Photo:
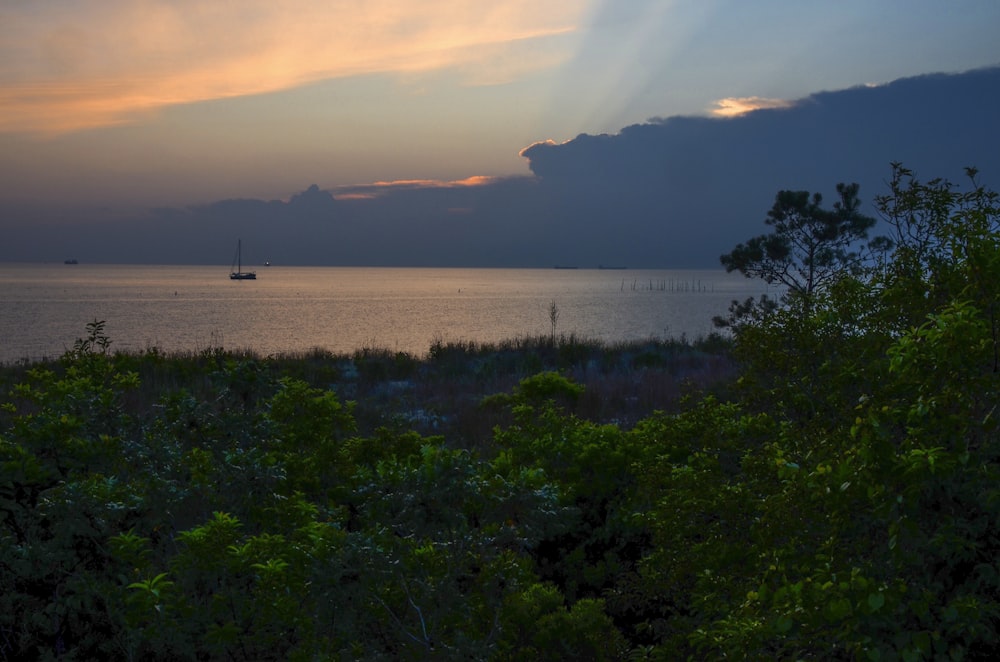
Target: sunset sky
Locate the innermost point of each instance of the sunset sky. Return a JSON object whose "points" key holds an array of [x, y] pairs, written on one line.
{"points": [[124, 104]]}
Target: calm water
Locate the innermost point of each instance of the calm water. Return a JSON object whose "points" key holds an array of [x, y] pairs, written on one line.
{"points": [[45, 307]]}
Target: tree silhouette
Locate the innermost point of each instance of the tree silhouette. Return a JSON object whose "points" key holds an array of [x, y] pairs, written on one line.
{"points": [[809, 246]]}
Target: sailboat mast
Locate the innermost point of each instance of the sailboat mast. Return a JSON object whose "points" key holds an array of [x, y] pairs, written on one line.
{"points": [[239, 274]]}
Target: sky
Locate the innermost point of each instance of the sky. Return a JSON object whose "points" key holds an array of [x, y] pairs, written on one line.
{"points": [[114, 109]]}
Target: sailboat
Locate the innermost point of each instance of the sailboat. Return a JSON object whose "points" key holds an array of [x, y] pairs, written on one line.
{"points": [[238, 273]]}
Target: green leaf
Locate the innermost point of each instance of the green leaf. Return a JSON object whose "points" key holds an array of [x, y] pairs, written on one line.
{"points": [[876, 601], [838, 609]]}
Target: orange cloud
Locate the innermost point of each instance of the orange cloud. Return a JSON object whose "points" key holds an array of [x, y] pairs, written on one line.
{"points": [[475, 180], [373, 190], [735, 106], [355, 196], [67, 67]]}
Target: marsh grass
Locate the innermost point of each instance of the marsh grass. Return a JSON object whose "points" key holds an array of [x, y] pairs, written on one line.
{"points": [[440, 393]]}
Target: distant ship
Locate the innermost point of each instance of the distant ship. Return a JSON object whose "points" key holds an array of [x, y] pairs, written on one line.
{"points": [[70, 262], [238, 273]]}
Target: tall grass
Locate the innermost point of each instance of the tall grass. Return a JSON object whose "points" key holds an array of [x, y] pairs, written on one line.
{"points": [[441, 391]]}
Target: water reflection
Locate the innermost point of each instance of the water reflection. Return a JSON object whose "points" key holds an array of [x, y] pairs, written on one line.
{"points": [[294, 309]]}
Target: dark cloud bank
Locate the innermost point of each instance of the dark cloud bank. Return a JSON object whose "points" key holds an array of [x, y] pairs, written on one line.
{"points": [[675, 192]]}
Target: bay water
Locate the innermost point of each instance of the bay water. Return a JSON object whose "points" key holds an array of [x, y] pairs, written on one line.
{"points": [[44, 308]]}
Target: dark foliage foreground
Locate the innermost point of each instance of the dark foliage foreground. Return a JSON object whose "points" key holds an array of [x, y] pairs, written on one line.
{"points": [[839, 499]]}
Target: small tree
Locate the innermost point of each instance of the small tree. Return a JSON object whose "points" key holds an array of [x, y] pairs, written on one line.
{"points": [[817, 254]]}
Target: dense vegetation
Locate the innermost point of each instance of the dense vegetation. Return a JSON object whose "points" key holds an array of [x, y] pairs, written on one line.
{"points": [[835, 496]]}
